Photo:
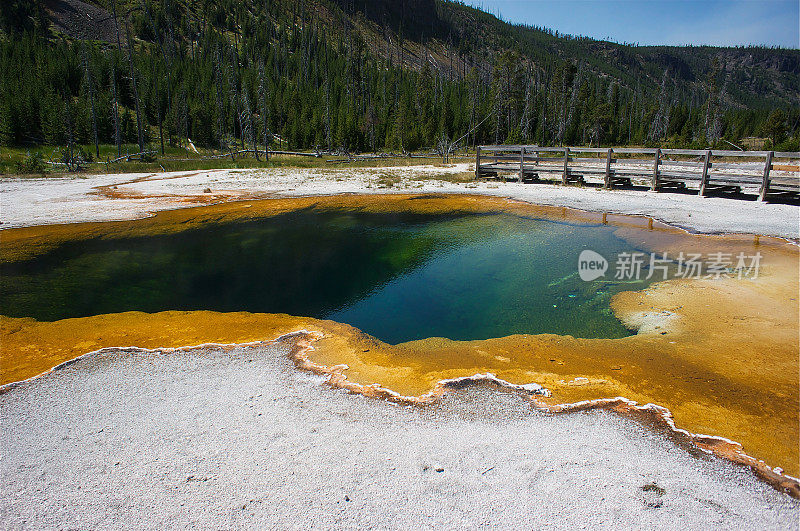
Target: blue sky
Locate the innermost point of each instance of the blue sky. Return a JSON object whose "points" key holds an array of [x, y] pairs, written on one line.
{"points": [[677, 22]]}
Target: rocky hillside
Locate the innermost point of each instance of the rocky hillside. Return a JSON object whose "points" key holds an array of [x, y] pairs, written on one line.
{"points": [[369, 74]]}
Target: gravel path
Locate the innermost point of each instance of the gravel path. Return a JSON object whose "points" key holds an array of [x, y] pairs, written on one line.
{"points": [[218, 439]]}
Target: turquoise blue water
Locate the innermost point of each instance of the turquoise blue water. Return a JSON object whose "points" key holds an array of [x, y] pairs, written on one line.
{"points": [[397, 277]]}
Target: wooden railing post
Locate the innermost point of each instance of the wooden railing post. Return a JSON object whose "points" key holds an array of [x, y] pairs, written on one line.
{"points": [[704, 177], [762, 194], [607, 180], [654, 183], [477, 163], [566, 166], [521, 163]]}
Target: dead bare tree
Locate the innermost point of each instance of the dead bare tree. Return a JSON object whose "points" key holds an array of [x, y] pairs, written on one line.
{"points": [[115, 110], [183, 109], [473, 100], [263, 98], [573, 100], [660, 124], [221, 128], [160, 113], [116, 24], [525, 120], [133, 81], [167, 64], [69, 154], [562, 117], [90, 87], [233, 94], [246, 119], [445, 147], [497, 120], [328, 125], [716, 125]]}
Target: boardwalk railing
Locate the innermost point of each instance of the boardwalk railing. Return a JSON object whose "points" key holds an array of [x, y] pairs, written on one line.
{"points": [[769, 171]]}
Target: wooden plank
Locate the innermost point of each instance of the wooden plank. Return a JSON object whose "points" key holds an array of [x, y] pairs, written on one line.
{"points": [[759, 166], [636, 151], [586, 169], [786, 155], [654, 183], [762, 193], [548, 171], [500, 148], [596, 160], [636, 172], [566, 166], [678, 176], [735, 178], [478, 163], [607, 177], [684, 152], [786, 167], [550, 149], [731, 153], [587, 150], [514, 168], [782, 187], [530, 157], [554, 167], [693, 164], [546, 162], [784, 179], [516, 149], [704, 177], [643, 162], [521, 164], [715, 179], [509, 157], [500, 166]]}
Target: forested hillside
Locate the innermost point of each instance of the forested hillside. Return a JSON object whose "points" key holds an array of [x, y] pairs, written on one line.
{"points": [[362, 75]]}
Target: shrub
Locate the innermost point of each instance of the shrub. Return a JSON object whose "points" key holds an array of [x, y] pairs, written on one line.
{"points": [[791, 144], [33, 163]]}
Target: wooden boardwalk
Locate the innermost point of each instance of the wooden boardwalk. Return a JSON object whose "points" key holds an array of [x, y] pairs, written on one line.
{"points": [[771, 172]]}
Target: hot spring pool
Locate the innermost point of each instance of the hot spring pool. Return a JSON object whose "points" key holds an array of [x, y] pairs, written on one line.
{"points": [[398, 276]]}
